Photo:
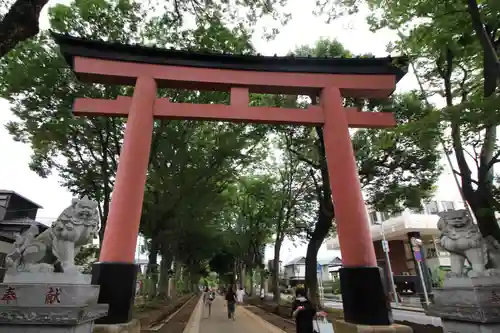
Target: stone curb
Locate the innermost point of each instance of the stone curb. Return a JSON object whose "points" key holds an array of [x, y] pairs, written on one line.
{"points": [[193, 324]]}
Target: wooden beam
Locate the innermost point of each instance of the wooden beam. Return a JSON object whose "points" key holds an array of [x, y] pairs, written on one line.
{"points": [[251, 114], [237, 113], [102, 107], [167, 110], [240, 97], [210, 79], [357, 119]]}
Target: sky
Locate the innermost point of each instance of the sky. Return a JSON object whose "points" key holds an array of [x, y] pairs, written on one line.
{"points": [[304, 28]]}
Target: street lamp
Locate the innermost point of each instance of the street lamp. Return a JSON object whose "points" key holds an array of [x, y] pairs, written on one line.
{"points": [[385, 248]]}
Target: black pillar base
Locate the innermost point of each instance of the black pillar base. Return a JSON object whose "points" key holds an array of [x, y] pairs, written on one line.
{"points": [[364, 296], [118, 285]]}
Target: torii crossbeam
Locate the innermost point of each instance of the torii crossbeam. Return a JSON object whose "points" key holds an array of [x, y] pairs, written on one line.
{"points": [[363, 292]]}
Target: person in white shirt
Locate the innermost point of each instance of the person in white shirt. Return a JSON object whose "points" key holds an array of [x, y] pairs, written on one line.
{"points": [[239, 295]]}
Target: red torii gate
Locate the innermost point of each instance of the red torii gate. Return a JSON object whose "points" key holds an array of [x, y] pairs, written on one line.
{"points": [[364, 295]]}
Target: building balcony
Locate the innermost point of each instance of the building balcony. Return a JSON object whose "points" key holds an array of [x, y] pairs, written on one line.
{"points": [[397, 228]]}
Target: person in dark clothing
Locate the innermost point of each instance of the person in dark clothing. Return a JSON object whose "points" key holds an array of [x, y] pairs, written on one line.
{"points": [[231, 302], [303, 311]]}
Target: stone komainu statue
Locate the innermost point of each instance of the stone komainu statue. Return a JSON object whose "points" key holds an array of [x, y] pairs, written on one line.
{"points": [[462, 238], [58, 245]]}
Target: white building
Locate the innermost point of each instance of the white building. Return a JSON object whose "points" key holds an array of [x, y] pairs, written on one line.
{"points": [[396, 228], [294, 272]]}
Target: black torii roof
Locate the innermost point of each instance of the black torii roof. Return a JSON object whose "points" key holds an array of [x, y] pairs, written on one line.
{"points": [[71, 47]]}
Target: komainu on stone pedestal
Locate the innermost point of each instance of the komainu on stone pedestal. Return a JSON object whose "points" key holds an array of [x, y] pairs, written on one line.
{"points": [[469, 301], [461, 237], [43, 290], [57, 246]]}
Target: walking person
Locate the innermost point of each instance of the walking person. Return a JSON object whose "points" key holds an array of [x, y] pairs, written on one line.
{"points": [[240, 294], [208, 298], [231, 302], [303, 311]]}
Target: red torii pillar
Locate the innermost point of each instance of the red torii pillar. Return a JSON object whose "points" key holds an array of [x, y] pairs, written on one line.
{"points": [[353, 229]]}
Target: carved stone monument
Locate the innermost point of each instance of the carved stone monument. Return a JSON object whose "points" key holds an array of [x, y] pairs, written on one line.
{"points": [[469, 301], [43, 290]]}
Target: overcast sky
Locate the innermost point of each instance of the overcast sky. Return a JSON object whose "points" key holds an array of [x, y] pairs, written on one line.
{"points": [[304, 28]]}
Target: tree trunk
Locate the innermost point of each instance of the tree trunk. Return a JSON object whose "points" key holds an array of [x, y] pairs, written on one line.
{"points": [[484, 211], [481, 199], [323, 225], [20, 23], [101, 232], [318, 236], [242, 275], [235, 277], [251, 289], [489, 51], [276, 269], [152, 270], [262, 280], [166, 261], [170, 279]]}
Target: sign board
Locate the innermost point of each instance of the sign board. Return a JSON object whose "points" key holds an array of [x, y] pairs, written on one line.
{"points": [[385, 246]]}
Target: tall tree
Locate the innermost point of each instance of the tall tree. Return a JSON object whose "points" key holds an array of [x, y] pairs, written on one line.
{"points": [[19, 19], [247, 225], [18, 22], [41, 90], [294, 201], [453, 59], [194, 165], [397, 167]]}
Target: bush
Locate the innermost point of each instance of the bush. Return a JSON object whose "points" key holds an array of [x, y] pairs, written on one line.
{"points": [[332, 287], [336, 287]]}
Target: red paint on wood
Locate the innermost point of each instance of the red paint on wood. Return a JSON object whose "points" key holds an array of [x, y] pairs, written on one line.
{"points": [[216, 112], [240, 97], [262, 115], [116, 72], [353, 229], [122, 227], [234, 112], [102, 107], [357, 119]]}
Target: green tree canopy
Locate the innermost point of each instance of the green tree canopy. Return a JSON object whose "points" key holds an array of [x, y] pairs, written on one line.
{"points": [[454, 47], [397, 167]]}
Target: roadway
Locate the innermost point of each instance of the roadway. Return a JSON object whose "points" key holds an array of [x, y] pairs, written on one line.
{"points": [[413, 315]]}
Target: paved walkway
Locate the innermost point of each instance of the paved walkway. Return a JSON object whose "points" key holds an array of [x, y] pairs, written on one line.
{"points": [[245, 322]]}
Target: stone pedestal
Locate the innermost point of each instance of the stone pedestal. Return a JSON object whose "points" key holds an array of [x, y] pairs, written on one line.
{"points": [[468, 305], [58, 306]]}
